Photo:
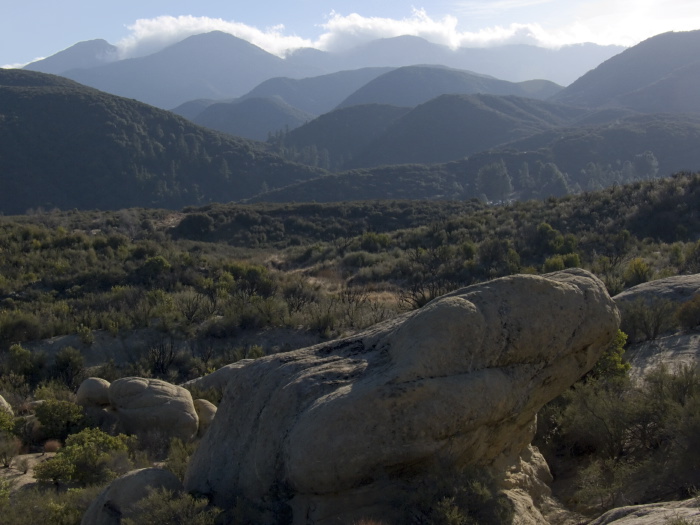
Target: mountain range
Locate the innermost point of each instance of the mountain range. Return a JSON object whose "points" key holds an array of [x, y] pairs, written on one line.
{"points": [[218, 65], [404, 132]]}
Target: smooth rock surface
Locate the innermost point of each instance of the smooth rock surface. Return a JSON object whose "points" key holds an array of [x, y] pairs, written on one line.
{"points": [[93, 391], [206, 410], [317, 432], [151, 405], [666, 513], [119, 498], [677, 289]]}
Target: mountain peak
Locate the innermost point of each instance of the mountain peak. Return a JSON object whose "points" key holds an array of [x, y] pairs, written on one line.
{"points": [[86, 54]]}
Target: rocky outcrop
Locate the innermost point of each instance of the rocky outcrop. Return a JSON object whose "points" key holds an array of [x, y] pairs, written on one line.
{"points": [[218, 379], [327, 434], [120, 497], [141, 406], [150, 405], [670, 347], [5, 406], [677, 289], [666, 513]]}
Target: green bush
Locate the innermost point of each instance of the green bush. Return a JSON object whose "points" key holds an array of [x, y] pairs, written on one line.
{"points": [[90, 457], [688, 313], [59, 419], [165, 506], [646, 320], [456, 496]]}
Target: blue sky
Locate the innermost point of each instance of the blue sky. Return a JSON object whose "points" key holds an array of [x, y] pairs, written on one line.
{"points": [[33, 29]]}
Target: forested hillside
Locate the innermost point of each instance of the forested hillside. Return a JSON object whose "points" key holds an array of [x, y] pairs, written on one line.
{"points": [[64, 145]]}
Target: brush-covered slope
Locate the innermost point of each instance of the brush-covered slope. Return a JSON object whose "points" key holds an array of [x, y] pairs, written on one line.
{"points": [[68, 146], [253, 118], [320, 94], [658, 58], [343, 134], [450, 127], [413, 85], [446, 128]]}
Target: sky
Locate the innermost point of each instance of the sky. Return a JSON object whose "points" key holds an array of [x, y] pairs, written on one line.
{"points": [[33, 29]]}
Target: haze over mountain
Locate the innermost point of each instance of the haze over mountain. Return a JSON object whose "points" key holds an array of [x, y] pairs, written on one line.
{"points": [[252, 118], [669, 58], [412, 85], [213, 65], [218, 65], [317, 95], [83, 55], [68, 146]]}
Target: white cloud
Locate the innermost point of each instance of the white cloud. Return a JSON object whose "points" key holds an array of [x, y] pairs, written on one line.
{"points": [[624, 22], [152, 34], [20, 65]]}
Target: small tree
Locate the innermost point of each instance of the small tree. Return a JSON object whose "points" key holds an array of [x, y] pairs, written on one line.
{"points": [[59, 418]]}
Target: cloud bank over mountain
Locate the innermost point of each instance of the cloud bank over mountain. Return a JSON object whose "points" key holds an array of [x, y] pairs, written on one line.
{"points": [[339, 32]]}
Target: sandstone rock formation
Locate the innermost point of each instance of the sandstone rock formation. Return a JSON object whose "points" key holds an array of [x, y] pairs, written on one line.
{"points": [[677, 289], [151, 405], [671, 348], [93, 391], [326, 434], [206, 410], [218, 379], [119, 498], [4, 405], [666, 513]]}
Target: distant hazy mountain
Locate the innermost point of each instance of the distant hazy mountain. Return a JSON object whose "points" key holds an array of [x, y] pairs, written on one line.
{"points": [[91, 53], [212, 65], [219, 66], [252, 118], [667, 62], [192, 108], [513, 62], [68, 146], [677, 92], [412, 85], [320, 94]]}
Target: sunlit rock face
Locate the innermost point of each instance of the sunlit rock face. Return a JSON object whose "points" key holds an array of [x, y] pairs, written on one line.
{"points": [[329, 433]]}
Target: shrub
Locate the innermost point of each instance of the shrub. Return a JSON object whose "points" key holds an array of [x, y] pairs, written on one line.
{"points": [[646, 320], [637, 272], [9, 448], [688, 313], [59, 418], [165, 506], [456, 496], [89, 457], [179, 456]]}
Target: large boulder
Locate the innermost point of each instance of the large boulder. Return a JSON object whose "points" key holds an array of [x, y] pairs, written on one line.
{"points": [[120, 497], [93, 392], [218, 379], [327, 434], [145, 406]]}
